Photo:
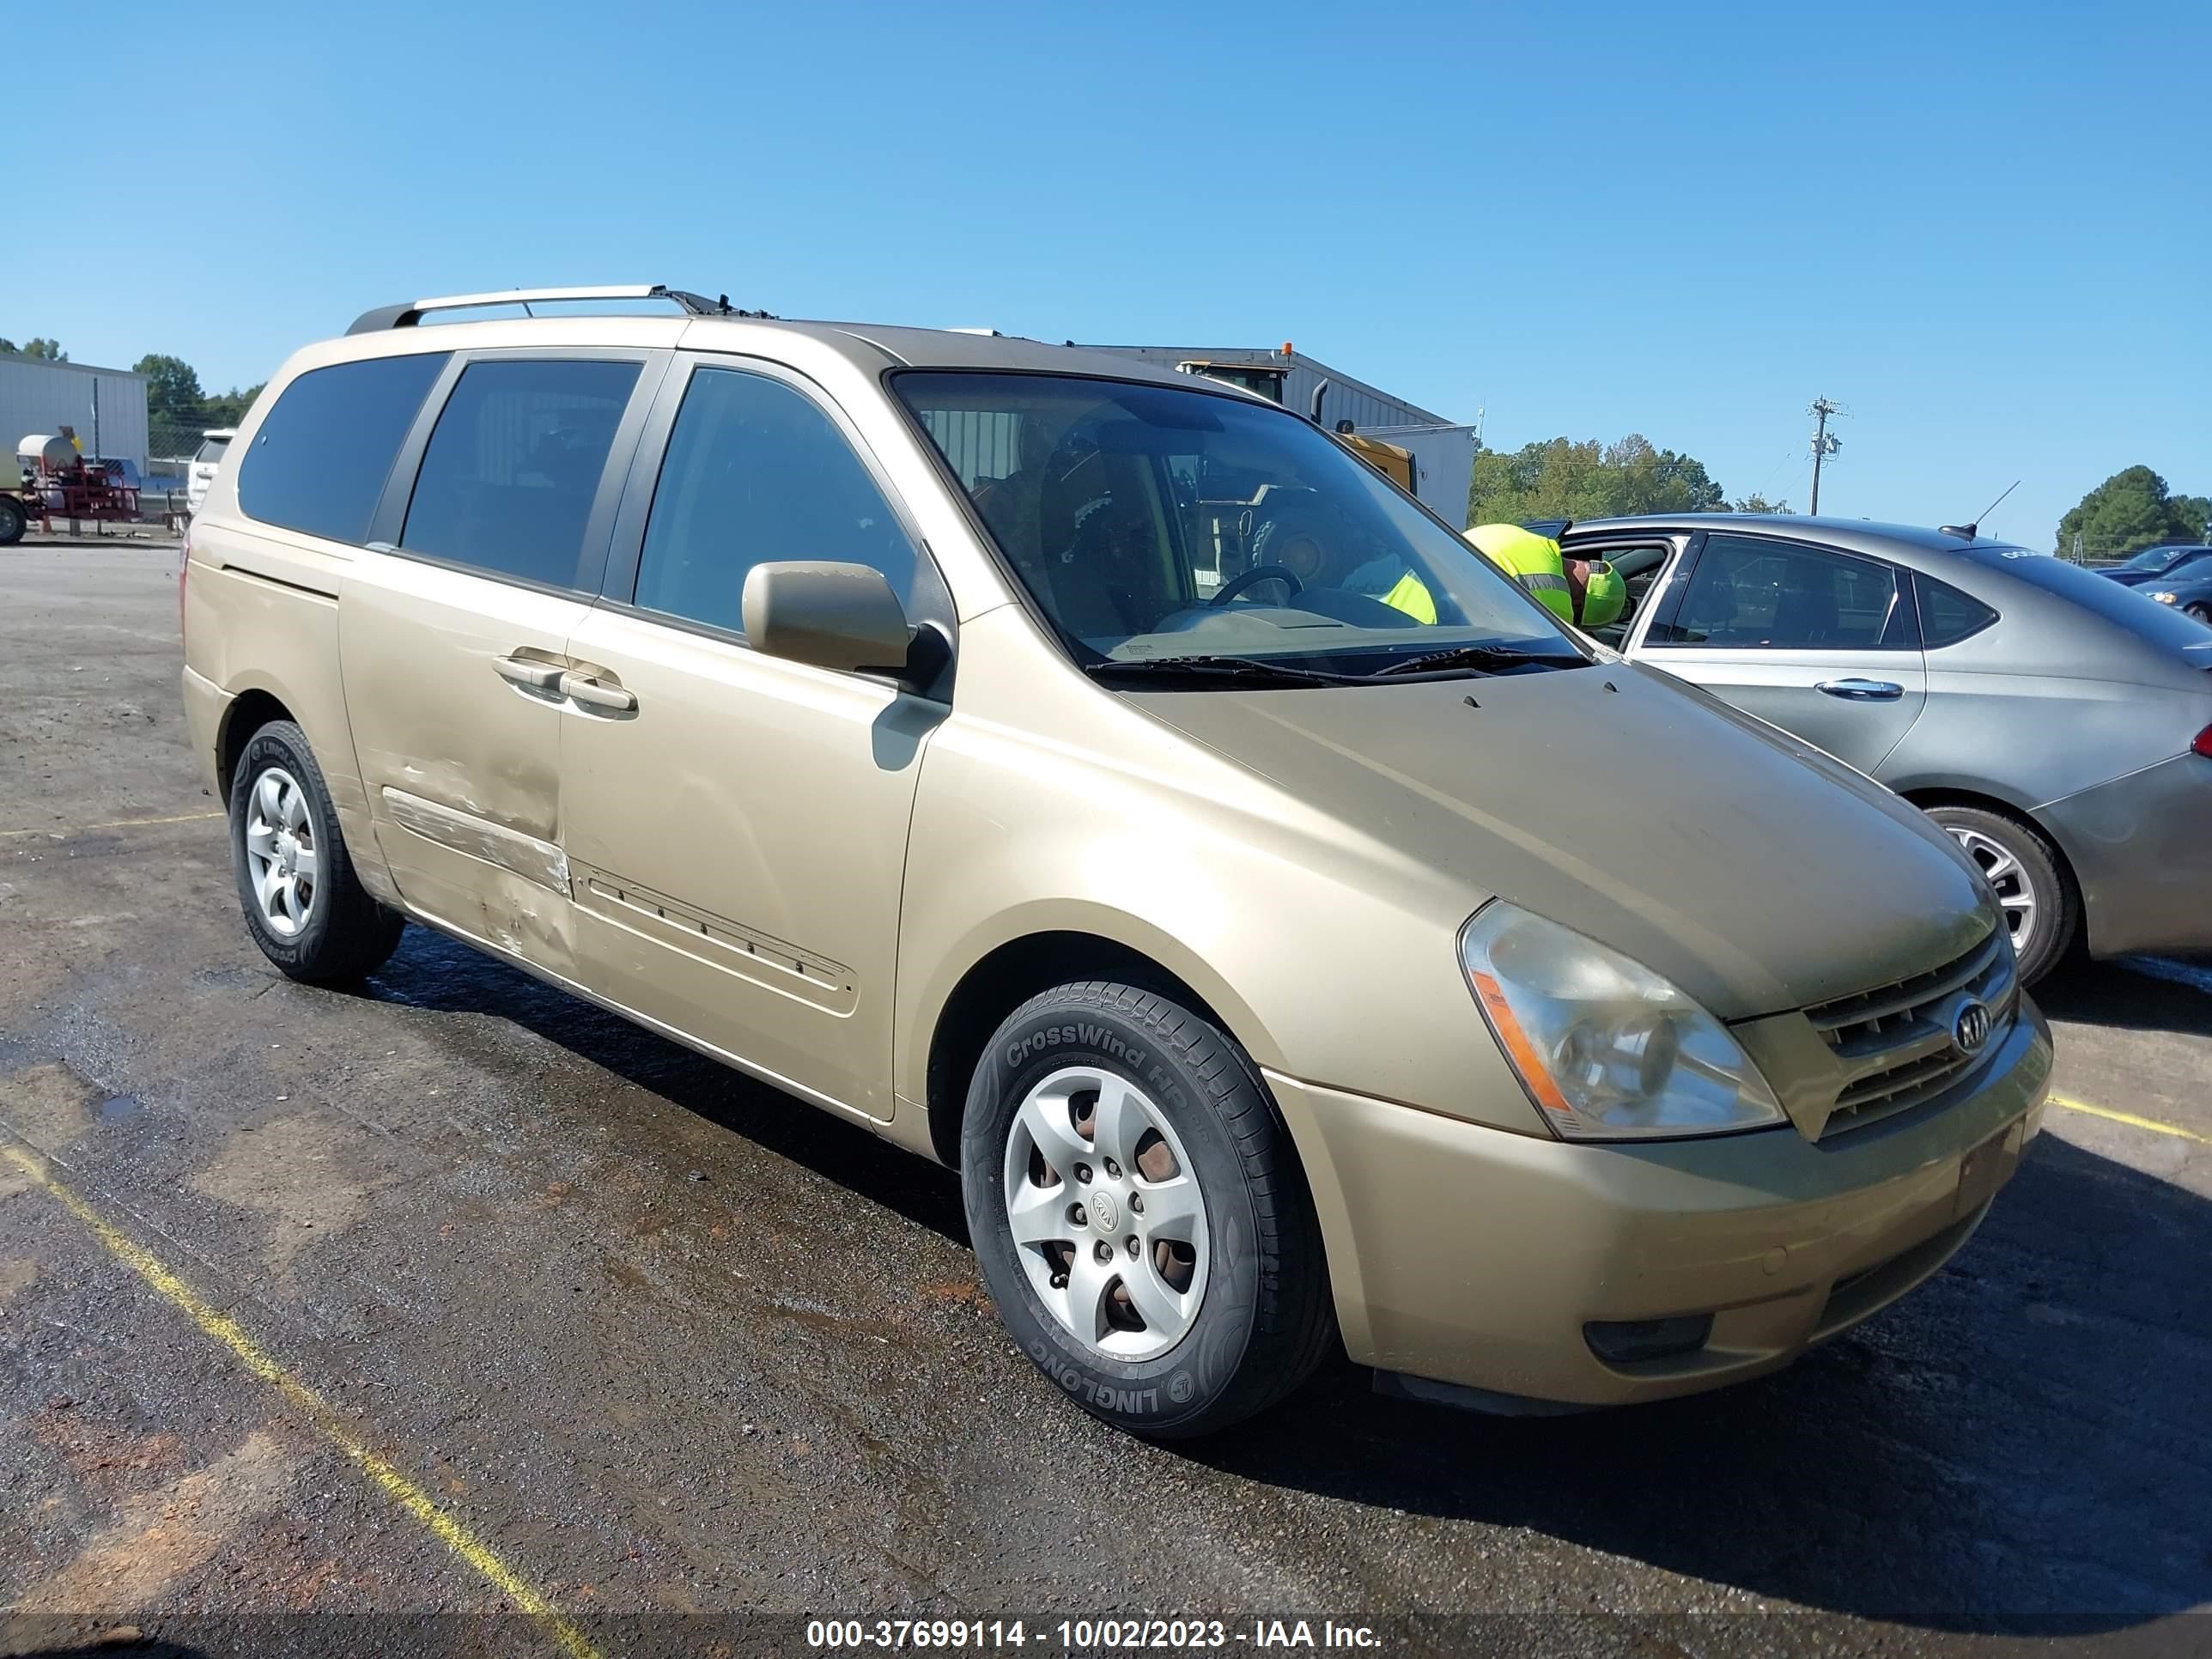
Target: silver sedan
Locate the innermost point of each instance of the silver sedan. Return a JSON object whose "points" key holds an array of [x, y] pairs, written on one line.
{"points": [[2058, 725]]}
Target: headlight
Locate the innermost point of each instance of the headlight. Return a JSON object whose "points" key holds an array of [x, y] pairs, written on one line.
{"points": [[1607, 1048], [2163, 598]]}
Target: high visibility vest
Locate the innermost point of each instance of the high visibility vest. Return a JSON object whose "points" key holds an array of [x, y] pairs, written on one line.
{"points": [[1412, 597], [1534, 561]]}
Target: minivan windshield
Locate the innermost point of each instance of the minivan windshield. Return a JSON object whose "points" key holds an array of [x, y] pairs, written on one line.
{"points": [[1211, 540]]}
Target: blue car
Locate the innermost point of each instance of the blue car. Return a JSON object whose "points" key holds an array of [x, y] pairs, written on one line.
{"points": [[2153, 563]]}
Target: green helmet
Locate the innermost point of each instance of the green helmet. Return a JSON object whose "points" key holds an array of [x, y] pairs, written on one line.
{"points": [[1604, 596], [1533, 560]]}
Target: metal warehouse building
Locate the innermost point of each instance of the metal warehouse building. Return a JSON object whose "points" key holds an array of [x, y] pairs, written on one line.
{"points": [[1443, 450], [1346, 400], [105, 407]]}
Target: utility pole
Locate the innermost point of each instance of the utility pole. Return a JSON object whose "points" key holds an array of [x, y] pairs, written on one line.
{"points": [[1824, 444]]}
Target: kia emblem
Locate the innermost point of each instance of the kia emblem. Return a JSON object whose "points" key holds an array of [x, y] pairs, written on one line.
{"points": [[1972, 1029]]}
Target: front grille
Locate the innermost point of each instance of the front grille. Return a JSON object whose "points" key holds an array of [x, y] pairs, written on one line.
{"points": [[1895, 1044]]}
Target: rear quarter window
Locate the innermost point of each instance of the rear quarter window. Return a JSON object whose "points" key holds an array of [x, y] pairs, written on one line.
{"points": [[320, 461], [1946, 615]]}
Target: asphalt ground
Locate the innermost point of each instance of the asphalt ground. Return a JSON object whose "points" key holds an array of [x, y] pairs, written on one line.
{"points": [[452, 1314]]}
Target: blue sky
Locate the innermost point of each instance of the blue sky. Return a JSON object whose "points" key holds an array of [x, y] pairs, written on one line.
{"points": [[1986, 230]]}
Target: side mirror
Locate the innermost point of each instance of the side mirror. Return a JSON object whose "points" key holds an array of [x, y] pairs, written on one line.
{"points": [[833, 616]]}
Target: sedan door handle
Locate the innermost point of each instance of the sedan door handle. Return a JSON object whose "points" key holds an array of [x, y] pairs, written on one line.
{"points": [[528, 672], [603, 699], [1862, 690]]}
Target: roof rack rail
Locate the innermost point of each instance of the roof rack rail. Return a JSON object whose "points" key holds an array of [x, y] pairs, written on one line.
{"points": [[408, 315]]}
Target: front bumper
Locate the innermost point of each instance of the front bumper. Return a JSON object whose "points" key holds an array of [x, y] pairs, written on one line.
{"points": [[1470, 1255], [2141, 856]]}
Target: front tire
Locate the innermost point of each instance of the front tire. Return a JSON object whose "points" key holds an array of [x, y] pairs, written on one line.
{"points": [[1139, 1213], [14, 519], [2040, 908], [304, 905]]}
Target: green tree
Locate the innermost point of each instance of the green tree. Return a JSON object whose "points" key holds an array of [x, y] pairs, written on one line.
{"points": [[173, 388], [1756, 502], [228, 407], [49, 350], [1566, 479], [2130, 511]]}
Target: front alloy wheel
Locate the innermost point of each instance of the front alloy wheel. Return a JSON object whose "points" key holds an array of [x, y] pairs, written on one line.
{"points": [[1139, 1213], [1108, 1218]]}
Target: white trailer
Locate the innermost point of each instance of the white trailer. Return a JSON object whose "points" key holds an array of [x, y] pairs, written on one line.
{"points": [[1444, 465]]}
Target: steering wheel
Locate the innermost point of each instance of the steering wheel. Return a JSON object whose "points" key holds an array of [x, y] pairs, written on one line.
{"points": [[1258, 573]]}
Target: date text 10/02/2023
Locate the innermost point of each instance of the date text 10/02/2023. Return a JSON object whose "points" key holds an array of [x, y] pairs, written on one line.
{"points": [[1087, 1634]]}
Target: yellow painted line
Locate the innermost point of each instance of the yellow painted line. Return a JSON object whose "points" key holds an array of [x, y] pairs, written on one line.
{"points": [[116, 823], [2132, 1120], [405, 1493]]}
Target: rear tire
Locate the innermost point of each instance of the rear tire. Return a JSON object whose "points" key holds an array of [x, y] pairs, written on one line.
{"points": [[304, 905], [13, 521], [2041, 906], [1231, 1307]]}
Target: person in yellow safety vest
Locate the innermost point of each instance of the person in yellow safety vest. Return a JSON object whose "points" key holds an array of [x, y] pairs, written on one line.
{"points": [[1587, 593]]}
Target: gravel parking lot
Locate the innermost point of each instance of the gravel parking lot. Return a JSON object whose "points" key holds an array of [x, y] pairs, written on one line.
{"points": [[458, 1297]]}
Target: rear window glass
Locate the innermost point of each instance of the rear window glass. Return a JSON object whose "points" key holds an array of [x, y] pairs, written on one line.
{"points": [[1946, 615], [2115, 602], [211, 449], [513, 465], [320, 461]]}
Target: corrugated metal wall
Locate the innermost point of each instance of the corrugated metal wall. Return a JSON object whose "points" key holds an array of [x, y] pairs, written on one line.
{"points": [[42, 397], [1346, 400]]}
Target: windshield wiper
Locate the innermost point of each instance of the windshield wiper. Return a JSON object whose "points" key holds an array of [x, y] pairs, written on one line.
{"points": [[1253, 670], [1482, 656]]}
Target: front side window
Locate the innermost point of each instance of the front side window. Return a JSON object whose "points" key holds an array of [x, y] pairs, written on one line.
{"points": [[320, 461], [1748, 593], [507, 482], [756, 473], [1149, 523]]}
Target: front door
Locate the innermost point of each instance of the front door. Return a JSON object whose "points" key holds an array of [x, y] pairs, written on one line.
{"points": [[1820, 643], [452, 636], [736, 832]]}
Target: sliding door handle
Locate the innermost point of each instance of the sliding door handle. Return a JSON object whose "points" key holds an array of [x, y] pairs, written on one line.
{"points": [[597, 696], [528, 672], [1862, 690]]}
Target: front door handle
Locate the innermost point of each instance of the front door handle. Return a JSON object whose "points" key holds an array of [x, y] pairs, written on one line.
{"points": [[595, 694], [528, 672], [1862, 690]]}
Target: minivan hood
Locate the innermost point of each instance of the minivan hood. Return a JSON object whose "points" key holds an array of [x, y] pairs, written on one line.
{"points": [[1756, 872]]}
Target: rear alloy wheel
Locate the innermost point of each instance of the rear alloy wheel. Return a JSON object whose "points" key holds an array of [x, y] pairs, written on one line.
{"points": [[2039, 905], [1139, 1213], [304, 905]]}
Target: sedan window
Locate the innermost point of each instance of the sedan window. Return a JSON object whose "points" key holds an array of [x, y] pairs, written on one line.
{"points": [[1748, 593]]}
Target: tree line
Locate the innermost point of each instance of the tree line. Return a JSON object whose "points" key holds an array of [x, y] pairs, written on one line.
{"points": [[1561, 478]]}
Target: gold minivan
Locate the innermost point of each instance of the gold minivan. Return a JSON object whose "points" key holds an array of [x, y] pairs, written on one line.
{"points": [[1099, 780]]}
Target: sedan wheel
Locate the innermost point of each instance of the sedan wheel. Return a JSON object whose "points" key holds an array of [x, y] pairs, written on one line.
{"points": [[2023, 905], [2040, 908]]}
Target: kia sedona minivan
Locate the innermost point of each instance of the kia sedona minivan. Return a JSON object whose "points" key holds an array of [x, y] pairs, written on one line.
{"points": [[1265, 956]]}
